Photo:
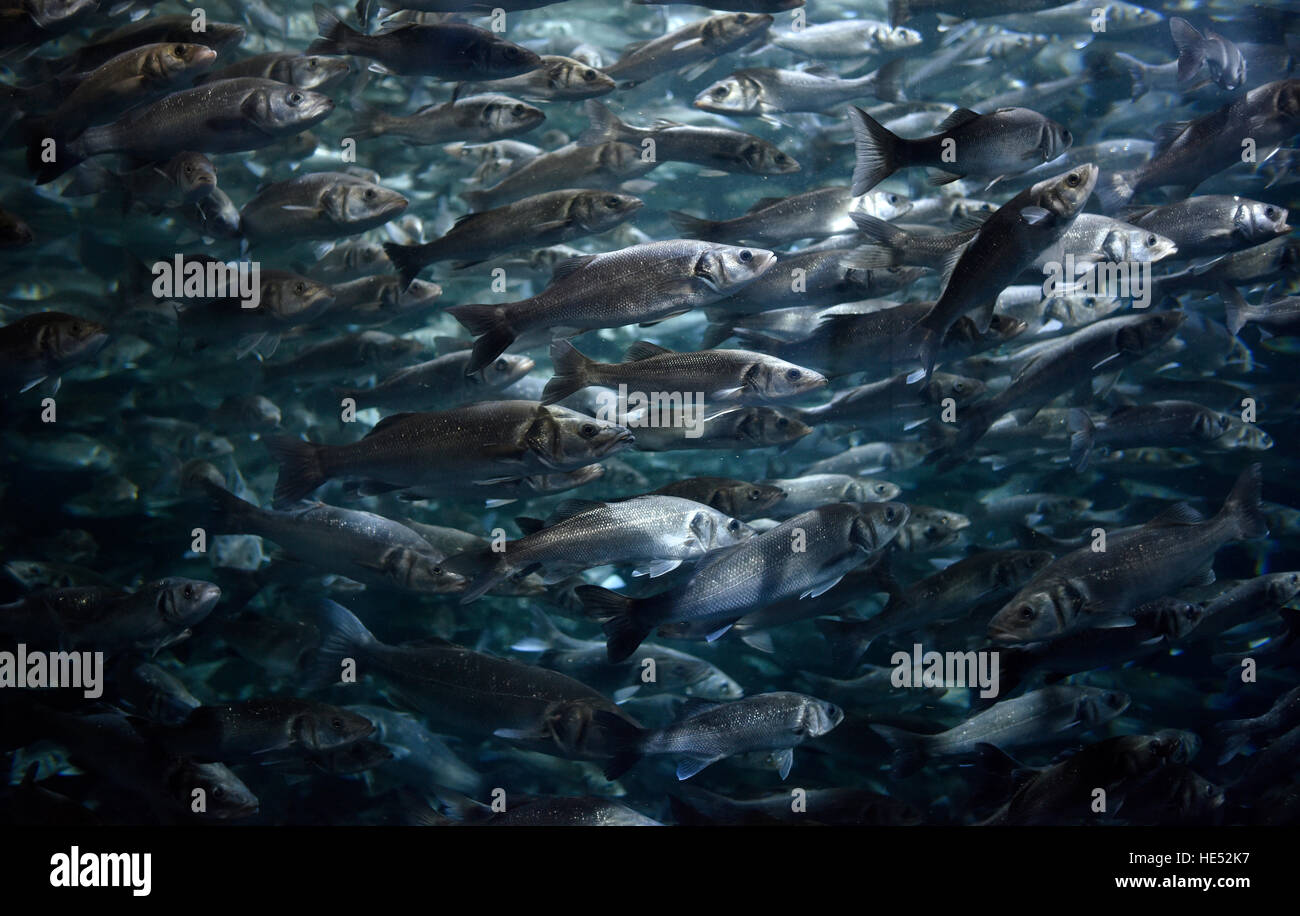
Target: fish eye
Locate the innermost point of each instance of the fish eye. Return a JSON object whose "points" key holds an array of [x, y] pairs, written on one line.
{"points": [[782, 423], [1073, 179], [295, 98], [1026, 613], [890, 514], [588, 75], [519, 110], [179, 50], [218, 792], [1270, 212], [720, 92], [313, 63], [746, 255], [754, 495], [1067, 137], [512, 53], [337, 724], [1151, 239], [501, 365], [588, 430], [793, 374], [188, 592], [892, 198], [959, 387], [742, 18], [611, 202], [733, 525], [300, 287]]}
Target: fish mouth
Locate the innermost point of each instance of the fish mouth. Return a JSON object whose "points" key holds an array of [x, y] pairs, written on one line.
{"points": [[204, 55], [1003, 635]]}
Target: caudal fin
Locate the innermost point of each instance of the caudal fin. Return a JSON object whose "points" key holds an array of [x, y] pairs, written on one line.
{"points": [[343, 637], [848, 641], [693, 227], [570, 372], [1191, 48], [1082, 438], [889, 81], [626, 739], [300, 467], [624, 633], [1137, 73], [1243, 505], [487, 323], [908, 747], [335, 37], [604, 126], [875, 151]]}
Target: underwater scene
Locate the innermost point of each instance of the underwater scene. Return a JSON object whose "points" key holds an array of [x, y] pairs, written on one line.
{"points": [[744, 412]]}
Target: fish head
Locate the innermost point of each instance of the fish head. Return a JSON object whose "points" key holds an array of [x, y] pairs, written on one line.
{"points": [[356, 202], [736, 94], [762, 158], [726, 268], [1256, 221], [1019, 567], [313, 71], [622, 160], [597, 211], [1151, 246], [505, 370], [291, 297], [322, 727], [1064, 195], [423, 572], [894, 38], [184, 602], [1282, 587], [505, 58], [1148, 332], [504, 116], [769, 426], [1209, 425], [876, 524], [730, 30], [817, 718], [777, 379], [226, 795], [962, 389], [1100, 706], [69, 338], [714, 685], [874, 490], [578, 79], [748, 500], [1029, 616], [564, 439], [715, 529], [166, 63], [281, 109], [194, 174]]}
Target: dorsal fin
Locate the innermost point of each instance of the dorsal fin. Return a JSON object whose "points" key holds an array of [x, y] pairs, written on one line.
{"points": [[1179, 513], [571, 265], [957, 119], [387, 423], [643, 349]]}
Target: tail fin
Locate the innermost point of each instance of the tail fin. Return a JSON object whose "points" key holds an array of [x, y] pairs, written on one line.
{"points": [[570, 372], [344, 636], [50, 157], [889, 81], [693, 227], [1243, 504], [623, 631], [408, 259], [876, 151], [626, 739], [300, 467], [1191, 48], [1115, 190], [908, 747], [487, 323], [367, 123], [90, 178], [716, 332], [928, 341], [1137, 72], [885, 243], [335, 36], [1082, 438], [848, 641], [1237, 311], [605, 125], [764, 343], [1234, 735]]}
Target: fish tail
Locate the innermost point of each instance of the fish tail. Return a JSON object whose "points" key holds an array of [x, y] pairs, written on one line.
{"points": [[884, 242], [343, 637], [847, 640], [1191, 48], [1137, 73], [408, 259], [483, 567], [716, 332], [486, 322], [1237, 311], [876, 151], [336, 38], [604, 126], [1115, 190], [693, 227], [300, 467], [626, 738], [624, 632], [368, 122], [1242, 504], [1082, 438], [908, 748], [1233, 736], [571, 372]]}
